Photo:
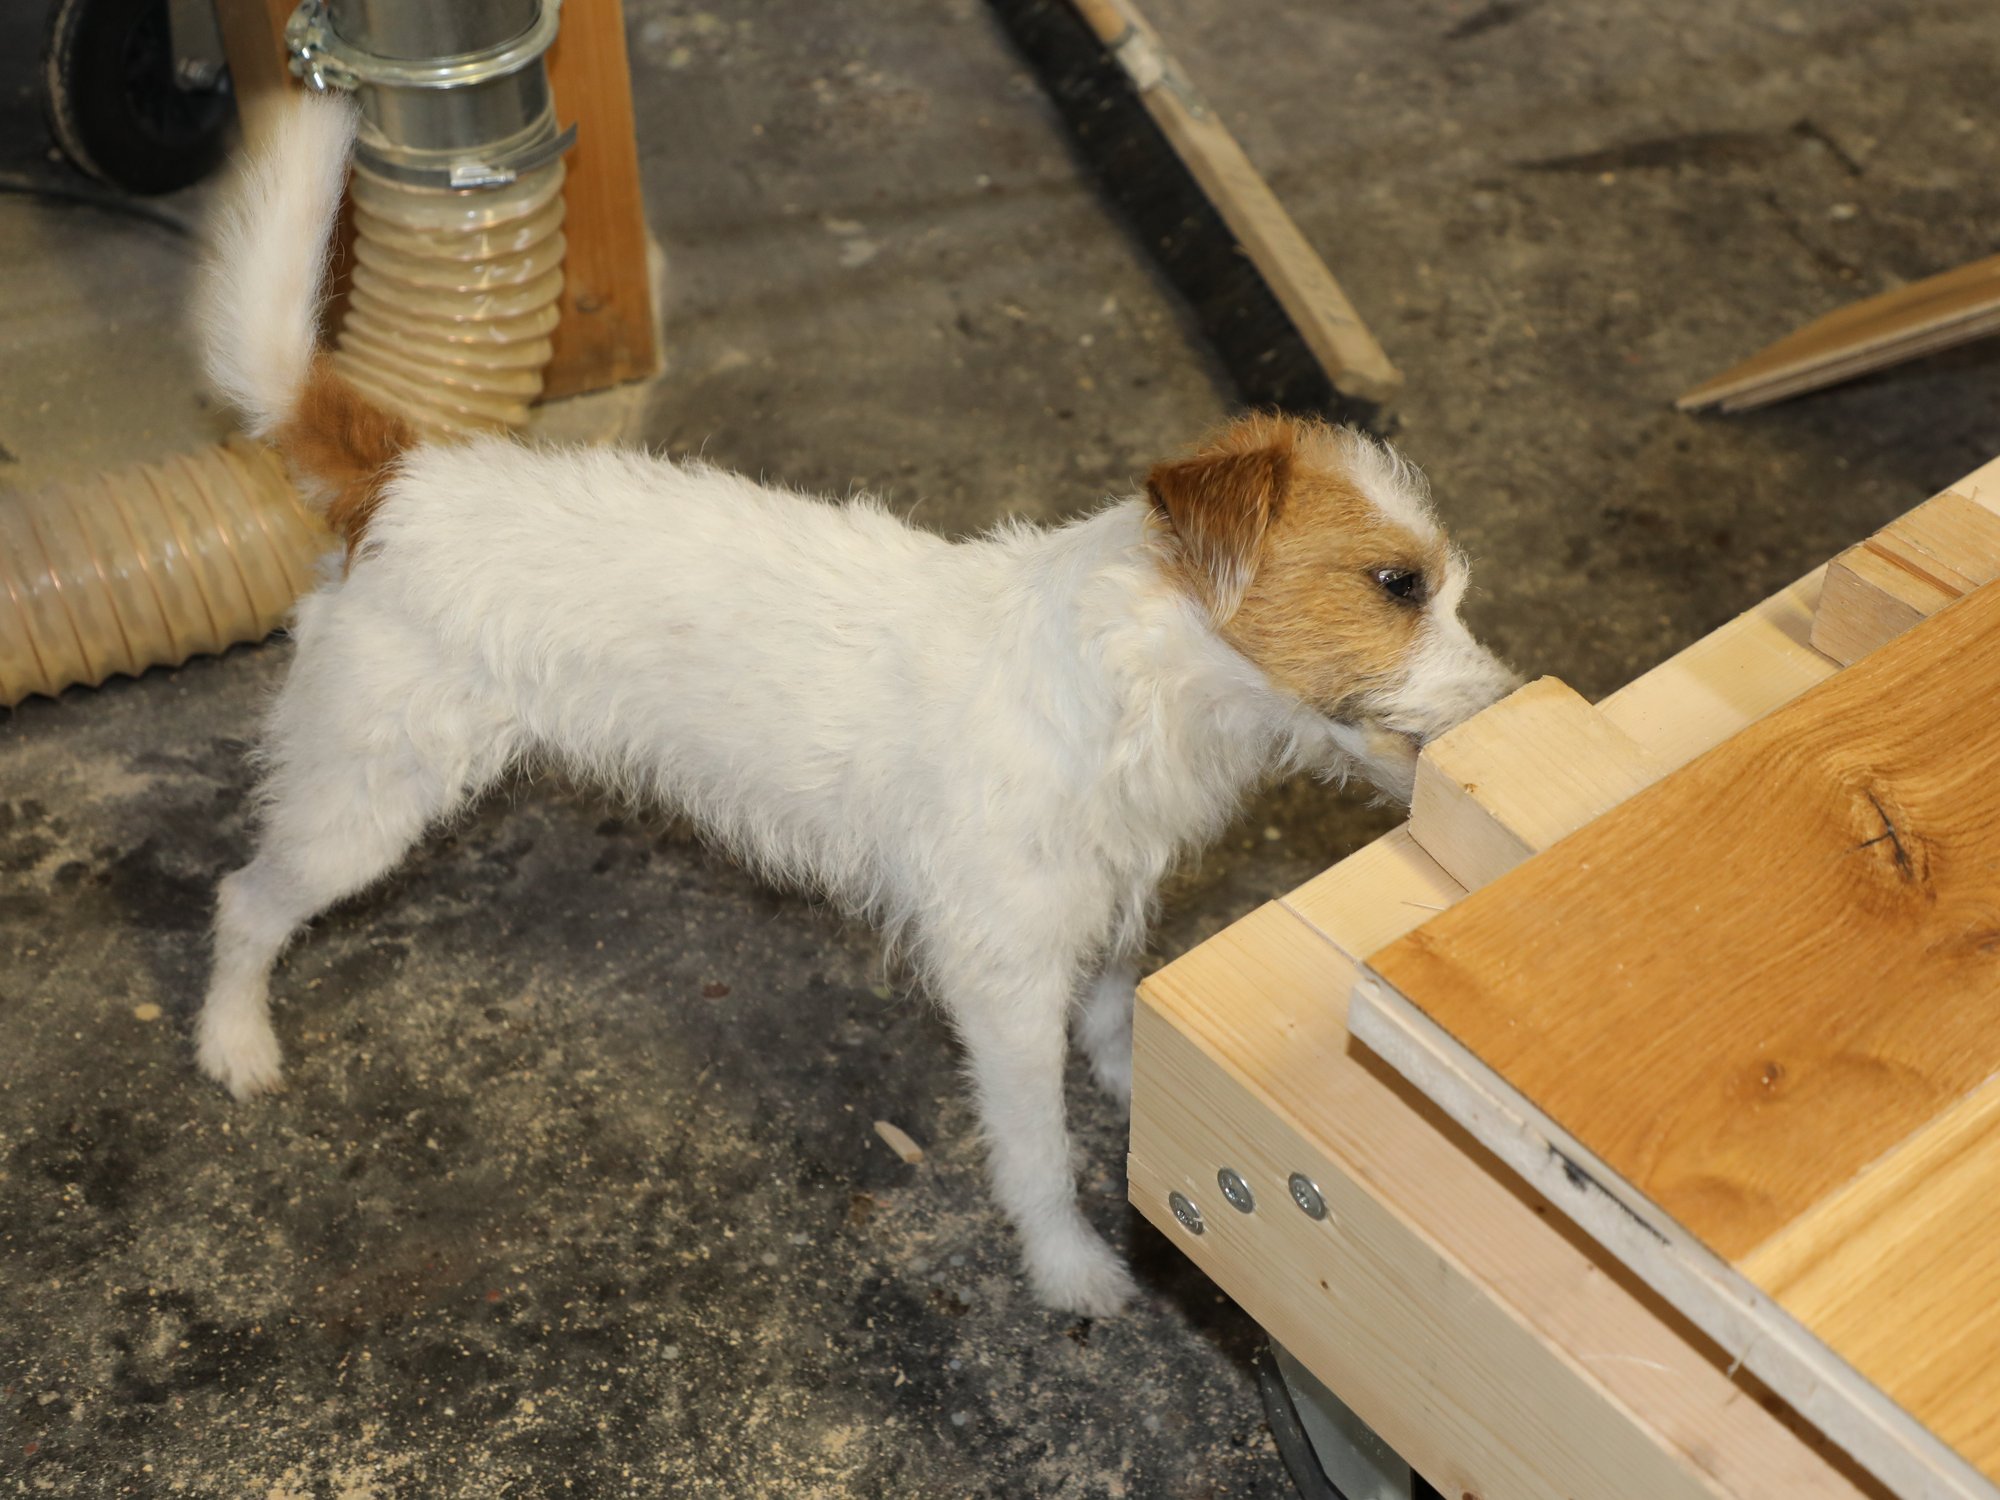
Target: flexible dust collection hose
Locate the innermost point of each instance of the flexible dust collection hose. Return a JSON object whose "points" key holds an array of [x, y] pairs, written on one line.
{"points": [[149, 565], [454, 297], [457, 194], [458, 211]]}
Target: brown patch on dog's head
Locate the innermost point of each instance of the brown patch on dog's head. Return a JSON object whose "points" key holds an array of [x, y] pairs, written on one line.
{"points": [[345, 447], [1282, 530], [1217, 505]]}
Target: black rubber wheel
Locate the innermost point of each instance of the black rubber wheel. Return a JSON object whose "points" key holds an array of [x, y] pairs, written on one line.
{"points": [[114, 105], [1289, 1433], [1295, 1447]]}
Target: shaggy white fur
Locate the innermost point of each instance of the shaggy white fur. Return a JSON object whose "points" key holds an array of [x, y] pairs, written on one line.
{"points": [[996, 748], [257, 302]]}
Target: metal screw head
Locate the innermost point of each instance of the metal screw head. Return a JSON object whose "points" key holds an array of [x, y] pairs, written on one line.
{"points": [[1186, 1212], [1236, 1190], [1305, 1193]]}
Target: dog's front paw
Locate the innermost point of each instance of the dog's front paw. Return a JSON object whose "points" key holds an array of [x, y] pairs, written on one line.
{"points": [[1077, 1272], [242, 1056]]}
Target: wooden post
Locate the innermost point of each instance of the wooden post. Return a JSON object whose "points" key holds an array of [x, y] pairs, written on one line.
{"points": [[606, 333]]}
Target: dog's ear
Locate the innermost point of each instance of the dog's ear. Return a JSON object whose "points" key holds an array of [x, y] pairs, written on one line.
{"points": [[1218, 505]]}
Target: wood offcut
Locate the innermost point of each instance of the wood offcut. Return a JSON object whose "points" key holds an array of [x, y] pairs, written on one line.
{"points": [[1925, 317], [1911, 569]]}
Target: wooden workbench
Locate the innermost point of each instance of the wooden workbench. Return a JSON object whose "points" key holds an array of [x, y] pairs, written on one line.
{"points": [[1495, 1345]]}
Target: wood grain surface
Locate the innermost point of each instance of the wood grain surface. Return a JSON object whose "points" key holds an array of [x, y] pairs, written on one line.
{"points": [[1238, 1060], [1510, 781], [1887, 1270], [1761, 982]]}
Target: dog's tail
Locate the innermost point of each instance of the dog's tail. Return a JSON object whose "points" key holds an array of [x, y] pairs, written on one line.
{"points": [[259, 307]]}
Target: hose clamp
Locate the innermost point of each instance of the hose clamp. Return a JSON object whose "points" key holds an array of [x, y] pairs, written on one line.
{"points": [[425, 121], [326, 61]]}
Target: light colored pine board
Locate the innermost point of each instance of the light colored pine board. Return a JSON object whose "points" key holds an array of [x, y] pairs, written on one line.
{"points": [[1730, 678], [1375, 895], [1244, 998], [1688, 704], [1453, 1313], [1698, 698], [1869, 599], [1514, 779], [1958, 531], [1922, 318], [1911, 569], [1745, 985], [1300, 281]]}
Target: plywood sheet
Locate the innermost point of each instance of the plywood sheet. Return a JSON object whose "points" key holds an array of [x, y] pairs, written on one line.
{"points": [[1762, 982]]}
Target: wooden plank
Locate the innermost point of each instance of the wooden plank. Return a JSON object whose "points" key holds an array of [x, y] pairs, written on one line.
{"points": [[1500, 1354], [1730, 678], [1511, 781], [1926, 1216], [1807, 986], [1911, 569], [1698, 698], [1870, 599], [1321, 312], [1923, 318], [606, 335], [1375, 895], [1724, 1306], [1752, 665]]}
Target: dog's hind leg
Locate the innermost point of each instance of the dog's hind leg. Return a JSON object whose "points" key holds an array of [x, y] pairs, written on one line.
{"points": [[1012, 1022], [366, 749], [1104, 1028]]}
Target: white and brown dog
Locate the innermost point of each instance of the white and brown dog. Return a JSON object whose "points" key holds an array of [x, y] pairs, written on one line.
{"points": [[996, 748]]}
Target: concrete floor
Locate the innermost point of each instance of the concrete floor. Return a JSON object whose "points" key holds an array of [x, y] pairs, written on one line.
{"points": [[574, 1190]]}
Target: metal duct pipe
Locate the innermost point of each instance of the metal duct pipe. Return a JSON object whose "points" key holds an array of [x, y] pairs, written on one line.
{"points": [[457, 198], [452, 94]]}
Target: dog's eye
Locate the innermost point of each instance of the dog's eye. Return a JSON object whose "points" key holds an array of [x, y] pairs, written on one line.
{"points": [[1401, 584]]}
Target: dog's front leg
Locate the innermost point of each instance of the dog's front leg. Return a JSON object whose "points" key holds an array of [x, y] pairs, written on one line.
{"points": [[1014, 1030]]}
